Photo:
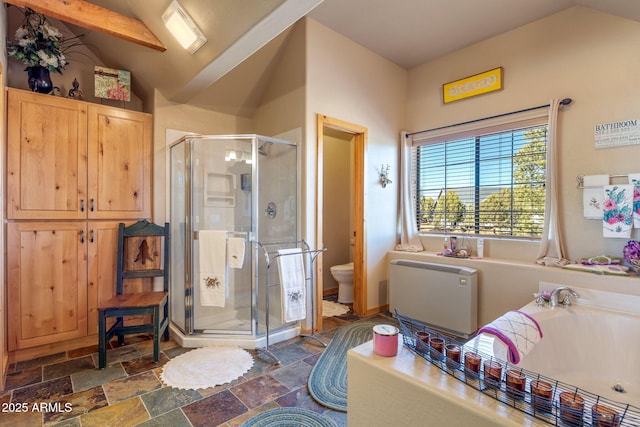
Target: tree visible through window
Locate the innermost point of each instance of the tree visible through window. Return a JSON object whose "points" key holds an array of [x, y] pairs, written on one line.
{"points": [[491, 184]]}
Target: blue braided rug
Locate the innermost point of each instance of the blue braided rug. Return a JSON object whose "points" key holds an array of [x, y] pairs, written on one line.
{"points": [[328, 380], [289, 417]]}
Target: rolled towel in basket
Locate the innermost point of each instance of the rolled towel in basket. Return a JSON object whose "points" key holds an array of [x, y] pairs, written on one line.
{"points": [[519, 331]]}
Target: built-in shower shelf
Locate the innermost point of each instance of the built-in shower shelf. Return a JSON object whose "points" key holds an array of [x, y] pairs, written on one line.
{"points": [[220, 190]]}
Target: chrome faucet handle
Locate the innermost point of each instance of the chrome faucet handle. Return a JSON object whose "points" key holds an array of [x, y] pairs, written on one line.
{"points": [[566, 300], [539, 299], [567, 296]]}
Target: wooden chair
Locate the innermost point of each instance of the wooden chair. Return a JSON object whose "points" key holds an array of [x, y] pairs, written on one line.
{"points": [[139, 261]]}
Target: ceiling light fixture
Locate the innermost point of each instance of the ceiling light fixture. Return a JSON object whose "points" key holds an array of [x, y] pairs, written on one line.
{"points": [[182, 27]]}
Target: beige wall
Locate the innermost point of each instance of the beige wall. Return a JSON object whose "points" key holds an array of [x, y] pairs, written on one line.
{"points": [[578, 53], [4, 357], [281, 107], [348, 82], [186, 118]]}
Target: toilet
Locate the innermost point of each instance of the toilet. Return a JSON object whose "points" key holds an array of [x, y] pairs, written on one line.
{"points": [[344, 276]]}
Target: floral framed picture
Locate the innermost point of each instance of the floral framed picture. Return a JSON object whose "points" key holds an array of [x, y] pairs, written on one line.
{"points": [[111, 83]]}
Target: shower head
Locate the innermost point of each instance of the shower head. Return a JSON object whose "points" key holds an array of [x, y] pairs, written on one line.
{"points": [[262, 150]]}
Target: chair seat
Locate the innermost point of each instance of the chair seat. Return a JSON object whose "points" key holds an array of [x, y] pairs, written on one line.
{"points": [[134, 300]]}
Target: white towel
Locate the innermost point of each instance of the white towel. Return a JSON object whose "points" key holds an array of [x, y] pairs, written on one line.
{"points": [[212, 246], [634, 179], [519, 331], [292, 283], [617, 211], [592, 195], [235, 252]]}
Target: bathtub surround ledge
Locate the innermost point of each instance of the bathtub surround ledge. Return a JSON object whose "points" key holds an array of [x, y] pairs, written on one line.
{"points": [[407, 389]]}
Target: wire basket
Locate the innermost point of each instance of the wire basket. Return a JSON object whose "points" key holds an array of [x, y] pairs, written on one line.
{"points": [[544, 398]]}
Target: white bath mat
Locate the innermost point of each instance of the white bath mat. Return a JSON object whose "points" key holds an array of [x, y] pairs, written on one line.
{"points": [[330, 309], [206, 367]]}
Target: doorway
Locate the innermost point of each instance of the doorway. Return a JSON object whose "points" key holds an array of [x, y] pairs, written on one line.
{"points": [[357, 136]]}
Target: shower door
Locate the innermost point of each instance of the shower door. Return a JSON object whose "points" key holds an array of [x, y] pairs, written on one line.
{"points": [[211, 215], [221, 204]]}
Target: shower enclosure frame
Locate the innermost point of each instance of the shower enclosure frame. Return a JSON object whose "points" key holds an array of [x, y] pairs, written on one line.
{"points": [[187, 334]]}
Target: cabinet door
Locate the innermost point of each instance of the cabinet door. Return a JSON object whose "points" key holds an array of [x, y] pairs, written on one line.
{"points": [[46, 157], [46, 280], [119, 163], [103, 254]]}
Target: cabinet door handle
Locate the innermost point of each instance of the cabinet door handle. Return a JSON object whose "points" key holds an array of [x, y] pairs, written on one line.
{"points": [[91, 205], [82, 236], [91, 236], [81, 205]]}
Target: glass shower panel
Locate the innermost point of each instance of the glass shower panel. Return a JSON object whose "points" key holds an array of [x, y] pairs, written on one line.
{"points": [[178, 214], [221, 206], [277, 219]]}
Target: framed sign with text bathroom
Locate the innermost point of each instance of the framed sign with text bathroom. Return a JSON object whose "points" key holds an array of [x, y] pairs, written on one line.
{"points": [[488, 81]]}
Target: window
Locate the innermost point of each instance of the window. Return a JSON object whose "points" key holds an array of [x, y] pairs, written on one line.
{"points": [[483, 183]]}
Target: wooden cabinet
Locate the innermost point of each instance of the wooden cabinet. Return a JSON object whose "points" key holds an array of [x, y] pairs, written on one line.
{"points": [[74, 171], [46, 157], [119, 146], [46, 270], [73, 160]]}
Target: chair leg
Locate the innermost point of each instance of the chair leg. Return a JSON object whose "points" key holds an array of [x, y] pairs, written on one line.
{"points": [[156, 334], [120, 320], [102, 340], [166, 316]]}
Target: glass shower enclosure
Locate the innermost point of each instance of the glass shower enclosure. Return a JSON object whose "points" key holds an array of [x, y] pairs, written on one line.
{"points": [[229, 194]]}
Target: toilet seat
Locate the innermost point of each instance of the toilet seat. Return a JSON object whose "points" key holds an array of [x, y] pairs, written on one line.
{"points": [[342, 267]]}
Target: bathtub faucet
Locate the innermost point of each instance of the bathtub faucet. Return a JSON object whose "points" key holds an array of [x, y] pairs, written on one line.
{"points": [[557, 293]]}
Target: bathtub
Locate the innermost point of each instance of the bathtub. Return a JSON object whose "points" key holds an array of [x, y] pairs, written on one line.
{"points": [[593, 345]]}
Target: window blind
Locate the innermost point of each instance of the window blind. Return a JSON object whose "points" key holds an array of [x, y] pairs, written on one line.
{"points": [[489, 182]]}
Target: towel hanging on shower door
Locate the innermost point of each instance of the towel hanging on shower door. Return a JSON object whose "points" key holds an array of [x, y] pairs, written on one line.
{"points": [[235, 252], [212, 245]]}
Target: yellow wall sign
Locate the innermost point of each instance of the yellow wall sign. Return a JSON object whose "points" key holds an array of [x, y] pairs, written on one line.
{"points": [[477, 84]]}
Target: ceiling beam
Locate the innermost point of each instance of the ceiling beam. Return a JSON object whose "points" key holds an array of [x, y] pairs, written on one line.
{"points": [[95, 18]]}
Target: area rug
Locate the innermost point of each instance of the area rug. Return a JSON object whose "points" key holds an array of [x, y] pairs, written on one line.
{"points": [[289, 417], [328, 379], [206, 367], [330, 309]]}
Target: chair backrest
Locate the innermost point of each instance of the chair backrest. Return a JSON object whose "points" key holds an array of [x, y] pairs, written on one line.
{"points": [[143, 253]]}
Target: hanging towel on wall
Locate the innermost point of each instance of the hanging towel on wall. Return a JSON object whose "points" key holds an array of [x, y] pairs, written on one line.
{"points": [[519, 331], [634, 179], [292, 283], [592, 195], [235, 252], [617, 211], [212, 245]]}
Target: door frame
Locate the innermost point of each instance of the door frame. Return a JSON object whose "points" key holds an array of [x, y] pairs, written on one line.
{"points": [[359, 254]]}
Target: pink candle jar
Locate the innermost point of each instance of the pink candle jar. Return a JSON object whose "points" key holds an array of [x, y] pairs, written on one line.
{"points": [[385, 340]]}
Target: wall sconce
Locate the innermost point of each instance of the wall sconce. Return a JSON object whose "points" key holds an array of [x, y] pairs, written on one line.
{"points": [[182, 27], [383, 173]]}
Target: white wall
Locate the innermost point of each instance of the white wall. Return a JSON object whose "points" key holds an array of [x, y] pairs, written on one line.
{"points": [[578, 53], [348, 82]]}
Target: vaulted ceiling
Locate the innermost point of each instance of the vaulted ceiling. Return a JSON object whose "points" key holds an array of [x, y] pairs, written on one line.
{"points": [[251, 32]]}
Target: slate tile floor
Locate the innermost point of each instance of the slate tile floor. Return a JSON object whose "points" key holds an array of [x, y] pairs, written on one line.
{"points": [[129, 392]]}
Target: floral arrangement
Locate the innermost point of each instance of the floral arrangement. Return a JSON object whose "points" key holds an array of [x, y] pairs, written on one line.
{"points": [[631, 252], [37, 43]]}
